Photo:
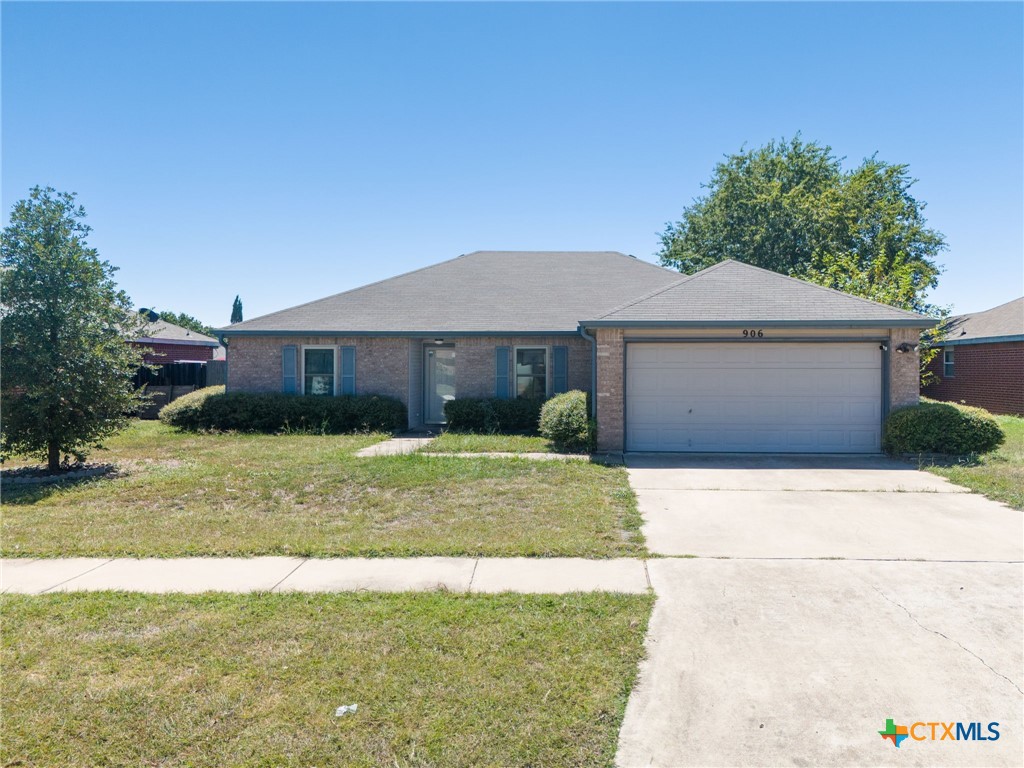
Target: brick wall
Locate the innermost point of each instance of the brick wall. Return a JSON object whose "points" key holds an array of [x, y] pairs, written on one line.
{"points": [[904, 368], [391, 365], [382, 364], [611, 407], [168, 353], [990, 376]]}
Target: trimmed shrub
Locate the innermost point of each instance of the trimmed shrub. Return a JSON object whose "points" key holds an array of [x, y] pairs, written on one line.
{"points": [[565, 421], [488, 415], [941, 428], [213, 409], [186, 408]]}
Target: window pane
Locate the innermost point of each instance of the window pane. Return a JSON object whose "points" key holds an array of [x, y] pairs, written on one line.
{"points": [[531, 374], [319, 372], [531, 362]]}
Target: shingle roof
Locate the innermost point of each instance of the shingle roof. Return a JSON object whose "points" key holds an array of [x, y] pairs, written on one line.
{"points": [[1005, 320], [161, 330], [731, 292], [503, 291]]}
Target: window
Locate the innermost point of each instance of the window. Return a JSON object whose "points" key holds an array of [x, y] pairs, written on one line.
{"points": [[947, 363], [532, 373], [318, 370]]}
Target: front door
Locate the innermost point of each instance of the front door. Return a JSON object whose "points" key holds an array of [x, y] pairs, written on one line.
{"points": [[439, 382]]}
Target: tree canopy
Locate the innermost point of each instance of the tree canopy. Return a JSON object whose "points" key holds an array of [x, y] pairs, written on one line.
{"points": [[187, 321], [236, 311], [790, 207], [66, 364]]}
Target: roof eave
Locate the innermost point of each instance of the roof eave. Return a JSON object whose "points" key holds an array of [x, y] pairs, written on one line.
{"points": [[228, 333], [979, 340], [924, 322]]}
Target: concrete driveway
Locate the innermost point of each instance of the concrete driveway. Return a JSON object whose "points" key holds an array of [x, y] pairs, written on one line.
{"points": [[763, 652]]}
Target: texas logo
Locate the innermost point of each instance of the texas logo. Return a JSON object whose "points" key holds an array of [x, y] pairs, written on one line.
{"points": [[919, 731], [894, 733]]}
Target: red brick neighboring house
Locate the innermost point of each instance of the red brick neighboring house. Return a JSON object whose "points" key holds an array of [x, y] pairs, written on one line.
{"points": [[982, 361], [170, 343]]}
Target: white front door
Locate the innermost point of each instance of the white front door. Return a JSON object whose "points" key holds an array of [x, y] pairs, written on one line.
{"points": [[754, 397]]}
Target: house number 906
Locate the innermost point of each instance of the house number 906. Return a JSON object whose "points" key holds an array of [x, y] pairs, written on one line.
{"points": [[752, 334]]}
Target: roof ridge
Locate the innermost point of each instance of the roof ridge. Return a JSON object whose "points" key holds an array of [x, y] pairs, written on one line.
{"points": [[239, 326], [657, 291]]}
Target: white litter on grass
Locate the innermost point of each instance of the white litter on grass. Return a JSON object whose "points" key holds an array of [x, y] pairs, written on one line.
{"points": [[345, 709]]}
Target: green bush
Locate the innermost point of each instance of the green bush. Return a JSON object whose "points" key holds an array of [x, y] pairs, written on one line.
{"points": [[565, 421], [186, 409], [941, 428], [485, 415], [213, 409]]}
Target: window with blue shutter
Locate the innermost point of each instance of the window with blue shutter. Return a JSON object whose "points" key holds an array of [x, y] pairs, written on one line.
{"points": [[289, 369], [348, 370], [501, 372], [559, 369]]}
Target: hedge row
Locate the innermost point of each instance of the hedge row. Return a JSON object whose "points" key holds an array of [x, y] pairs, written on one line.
{"points": [[493, 416], [212, 409], [941, 428]]}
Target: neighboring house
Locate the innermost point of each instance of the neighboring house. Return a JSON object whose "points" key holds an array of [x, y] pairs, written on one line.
{"points": [[981, 361], [182, 358], [733, 358], [170, 343]]}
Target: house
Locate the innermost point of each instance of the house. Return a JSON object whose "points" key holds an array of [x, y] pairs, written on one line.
{"points": [[981, 361], [733, 358], [169, 343], [181, 358]]}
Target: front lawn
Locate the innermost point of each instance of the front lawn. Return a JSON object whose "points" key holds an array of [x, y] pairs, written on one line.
{"points": [[217, 679], [228, 494], [998, 475], [452, 442]]}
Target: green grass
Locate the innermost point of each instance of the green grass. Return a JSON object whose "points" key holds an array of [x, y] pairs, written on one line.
{"points": [[452, 442], [212, 680], [998, 475], [308, 495]]}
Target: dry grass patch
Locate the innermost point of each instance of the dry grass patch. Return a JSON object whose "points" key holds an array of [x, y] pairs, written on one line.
{"points": [[309, 495], [212, 680]]}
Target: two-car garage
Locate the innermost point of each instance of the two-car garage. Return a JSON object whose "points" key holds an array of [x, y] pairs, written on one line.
{"points": [[754, 396]]}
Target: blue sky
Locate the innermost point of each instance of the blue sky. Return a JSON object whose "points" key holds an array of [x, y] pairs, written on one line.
{"points": [[285, 152]]}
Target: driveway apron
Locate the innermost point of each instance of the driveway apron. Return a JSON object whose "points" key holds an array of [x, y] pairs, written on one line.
{"points": [[823, 597]]}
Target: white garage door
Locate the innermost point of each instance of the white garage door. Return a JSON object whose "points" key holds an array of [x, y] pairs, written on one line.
{"points": [[754, 397]]}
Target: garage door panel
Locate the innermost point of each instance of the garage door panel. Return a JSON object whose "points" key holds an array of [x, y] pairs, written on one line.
{"points": [[750, 397]]}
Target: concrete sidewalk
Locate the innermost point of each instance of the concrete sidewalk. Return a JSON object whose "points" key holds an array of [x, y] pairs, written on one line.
{"points": [[285, 574]]}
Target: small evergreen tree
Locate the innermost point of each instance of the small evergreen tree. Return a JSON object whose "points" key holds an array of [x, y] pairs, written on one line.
{"points": [[66, 364], [236, 311]]}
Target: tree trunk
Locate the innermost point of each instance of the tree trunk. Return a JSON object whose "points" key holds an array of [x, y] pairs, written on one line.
{"points": [[53, 458]]}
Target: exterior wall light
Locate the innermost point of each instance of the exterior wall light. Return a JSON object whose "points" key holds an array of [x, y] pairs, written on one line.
{"points": [[905, 347]]}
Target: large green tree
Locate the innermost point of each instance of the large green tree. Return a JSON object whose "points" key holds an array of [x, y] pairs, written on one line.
{"points": [[66, 367], [790, 207], [236, 311]]}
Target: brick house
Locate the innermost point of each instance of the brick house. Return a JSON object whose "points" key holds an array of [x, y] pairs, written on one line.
{"points": [[733, 358], [981, 362], [169, 343]]}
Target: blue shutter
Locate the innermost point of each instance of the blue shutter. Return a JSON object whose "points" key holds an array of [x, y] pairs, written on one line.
{"points": [[289, 369], [348, 370], [501, 387], [559, 369]]}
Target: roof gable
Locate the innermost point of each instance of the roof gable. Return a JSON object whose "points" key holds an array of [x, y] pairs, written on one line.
{"points": [[732, 292], [1005, 320], [480, 292]]}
